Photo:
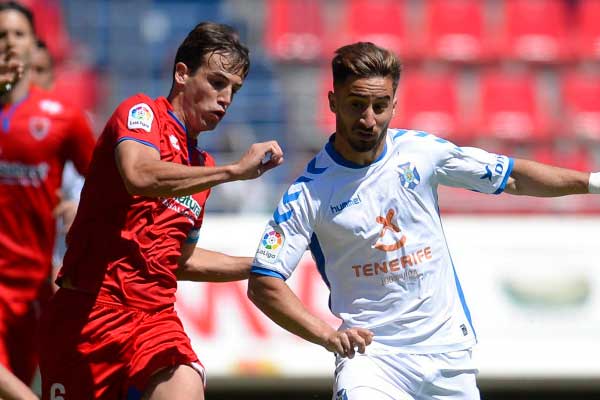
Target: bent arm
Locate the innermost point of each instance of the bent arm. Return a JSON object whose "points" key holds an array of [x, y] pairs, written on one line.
{"points": [[202, 265], [145, 174], [531, 178], [274, 298]]}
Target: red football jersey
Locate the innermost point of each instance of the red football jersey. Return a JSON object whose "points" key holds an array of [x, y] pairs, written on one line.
{"points": [[37, 136], [124, 247]]}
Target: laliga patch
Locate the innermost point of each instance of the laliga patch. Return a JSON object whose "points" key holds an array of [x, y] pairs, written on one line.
{"points": [[140, 117], [270, 244]]}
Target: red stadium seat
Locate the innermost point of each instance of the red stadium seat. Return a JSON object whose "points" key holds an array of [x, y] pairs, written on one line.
{"points": [[581, 102], [429, 102], [455, 30], [510, 110], [294, 30], [535, 30], [587, 36], [381, 22]]}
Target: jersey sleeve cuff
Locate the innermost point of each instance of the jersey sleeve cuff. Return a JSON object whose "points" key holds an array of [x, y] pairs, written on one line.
{"points": [[511, 163], [266, 272]]}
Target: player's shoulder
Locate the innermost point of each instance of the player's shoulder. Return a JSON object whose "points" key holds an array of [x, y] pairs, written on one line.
{"points": [[51, 103], [416, 141]]}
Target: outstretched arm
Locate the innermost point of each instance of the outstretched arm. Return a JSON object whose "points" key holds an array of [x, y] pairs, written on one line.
{"points": [[531, 178], [274, 297], [202, 265]]}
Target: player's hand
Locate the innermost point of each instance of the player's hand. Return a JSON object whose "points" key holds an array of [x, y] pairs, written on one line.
{"points": [[260, 157], [11, 70], [346, 342], [65, 212]]}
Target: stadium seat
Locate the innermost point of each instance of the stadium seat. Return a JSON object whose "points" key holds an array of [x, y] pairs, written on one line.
{"points": [[294, 30], [509, 108], [535, 31], [429, 102], [381, 22], [580, 93], [587, 35], [455, 31]]}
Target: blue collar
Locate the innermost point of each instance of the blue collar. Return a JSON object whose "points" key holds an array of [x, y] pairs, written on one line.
{"points": [[339, 159]]}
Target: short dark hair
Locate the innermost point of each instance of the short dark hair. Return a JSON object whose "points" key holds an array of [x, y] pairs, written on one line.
{"points": [[364, 60], [14, 6], [209, 38]]}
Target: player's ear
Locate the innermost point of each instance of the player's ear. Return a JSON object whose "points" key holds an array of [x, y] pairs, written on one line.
{"points": [[331, 98], [181, 73], [394, 106]]}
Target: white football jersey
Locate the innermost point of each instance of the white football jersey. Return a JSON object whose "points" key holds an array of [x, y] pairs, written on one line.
{"points": [[376, 236]]}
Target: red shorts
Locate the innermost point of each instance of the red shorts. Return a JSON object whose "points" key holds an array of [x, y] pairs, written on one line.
{"points": [[93, 349], [18, 330]]}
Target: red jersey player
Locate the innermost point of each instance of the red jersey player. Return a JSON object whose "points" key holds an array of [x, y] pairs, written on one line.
{"points": [[111, 330], [38, 133]]}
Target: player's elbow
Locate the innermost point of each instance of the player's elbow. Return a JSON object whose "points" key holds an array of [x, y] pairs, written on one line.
{"points": [[255, 290], [140, 184]]}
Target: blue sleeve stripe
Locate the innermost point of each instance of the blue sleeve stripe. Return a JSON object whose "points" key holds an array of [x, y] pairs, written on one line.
{"points": [[266, 272], [511, 163], [191, 240], [124, 138]]}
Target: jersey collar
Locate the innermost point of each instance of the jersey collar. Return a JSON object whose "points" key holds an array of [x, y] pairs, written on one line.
{"points": [[337, 157]]}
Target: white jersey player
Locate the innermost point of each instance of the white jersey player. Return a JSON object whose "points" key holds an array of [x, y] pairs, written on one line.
{"points": [[367, 208]]}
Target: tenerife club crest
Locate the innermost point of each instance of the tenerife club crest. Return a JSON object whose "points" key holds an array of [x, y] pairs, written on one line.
{"points": [[409, 176]]}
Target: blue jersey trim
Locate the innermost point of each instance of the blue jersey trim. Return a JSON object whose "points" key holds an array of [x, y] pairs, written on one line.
{"points": [[317, 252], [172, 114], [337, 157], [133, 394], [139, 141], [463, 301], [6, 116], [511, 164], [266, 272]]}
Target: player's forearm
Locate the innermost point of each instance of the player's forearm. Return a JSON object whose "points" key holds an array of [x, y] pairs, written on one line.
{"points": [[12, 388], [211, 266], [530, 178], [274, 298], [155, 178]]}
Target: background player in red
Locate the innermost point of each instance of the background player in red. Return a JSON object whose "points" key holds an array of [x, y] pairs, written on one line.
{"points": [[111, 329], [38, 133]]}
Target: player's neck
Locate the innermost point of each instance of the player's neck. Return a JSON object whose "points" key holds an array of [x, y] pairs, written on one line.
{"points": [[19, 91]]}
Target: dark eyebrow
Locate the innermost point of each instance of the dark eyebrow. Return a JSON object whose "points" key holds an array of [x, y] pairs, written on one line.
{"points": [[362, 96]]}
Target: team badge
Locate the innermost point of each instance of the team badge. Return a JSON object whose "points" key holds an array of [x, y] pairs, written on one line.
{"points": [[270, 244], [174, 142], [140, 117], [409, 176], [39, 127]]}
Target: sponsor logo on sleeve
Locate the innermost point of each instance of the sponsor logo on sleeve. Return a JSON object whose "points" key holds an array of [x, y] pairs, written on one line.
{"points": [[271, 243], [140, 117]]}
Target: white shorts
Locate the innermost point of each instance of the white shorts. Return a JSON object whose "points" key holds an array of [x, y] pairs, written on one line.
{"points": [[406, 377]]}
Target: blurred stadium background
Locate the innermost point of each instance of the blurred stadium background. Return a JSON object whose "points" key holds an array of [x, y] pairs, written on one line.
{"points": [[519, 77]]}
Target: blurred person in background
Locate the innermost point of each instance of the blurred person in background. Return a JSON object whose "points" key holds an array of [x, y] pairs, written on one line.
{"points": [[366, 207], [111, 330], [38, 134], [42, 75]]}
